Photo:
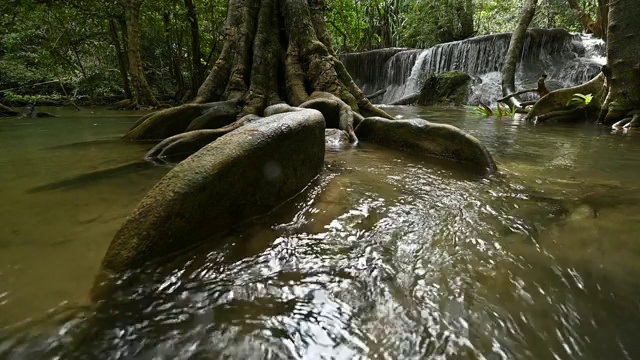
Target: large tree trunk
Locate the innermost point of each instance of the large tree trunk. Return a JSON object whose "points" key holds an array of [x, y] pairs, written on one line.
{"points": [[274, 52], [142, 91], [196, 56], [514, 54], [623, 61]]}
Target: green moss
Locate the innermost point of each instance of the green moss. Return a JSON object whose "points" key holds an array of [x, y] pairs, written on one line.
{"points": [[449, 88]]}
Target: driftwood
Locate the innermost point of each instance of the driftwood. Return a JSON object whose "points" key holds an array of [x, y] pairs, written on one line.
{"points": [[6, 111], [541, 90], [29, 112], [407, 100], [376, 94]]}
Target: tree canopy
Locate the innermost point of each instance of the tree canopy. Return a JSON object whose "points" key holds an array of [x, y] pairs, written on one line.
{"points": [[80, 49]]}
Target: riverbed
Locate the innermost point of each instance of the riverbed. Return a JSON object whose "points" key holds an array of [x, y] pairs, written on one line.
{"points": [[385, 255]]}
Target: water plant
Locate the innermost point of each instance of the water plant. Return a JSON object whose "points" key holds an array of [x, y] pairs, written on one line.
{"points": [[501, 110], [579, 101]]}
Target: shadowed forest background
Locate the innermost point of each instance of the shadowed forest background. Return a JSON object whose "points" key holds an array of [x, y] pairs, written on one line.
{"points": [[55, 51]]}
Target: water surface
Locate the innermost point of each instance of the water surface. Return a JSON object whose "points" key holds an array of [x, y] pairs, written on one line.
{"points": [[385, 255]]}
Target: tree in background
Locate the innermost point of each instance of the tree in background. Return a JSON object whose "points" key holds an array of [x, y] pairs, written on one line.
{"points": [[142, 94], [614, 94], [430, 22], [251, 74], [84, 45]]}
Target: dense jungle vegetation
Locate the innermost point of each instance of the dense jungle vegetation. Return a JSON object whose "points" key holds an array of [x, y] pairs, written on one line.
{"points": [[56, 51]]}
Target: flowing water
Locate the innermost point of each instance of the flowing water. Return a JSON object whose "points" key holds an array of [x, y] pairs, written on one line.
{"points": [[568, 60], [384, 256]]}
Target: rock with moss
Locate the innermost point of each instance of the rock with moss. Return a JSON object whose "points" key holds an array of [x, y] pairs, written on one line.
{"points": [[241, 175], [449, 88], [423, 138]]}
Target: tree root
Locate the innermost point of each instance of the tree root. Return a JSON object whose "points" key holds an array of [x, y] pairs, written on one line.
{"points": [[6, 111], [187, 143], [554, 104], [562, 115], [541, 90], [165, 123], [337, 114], [628, 123]]}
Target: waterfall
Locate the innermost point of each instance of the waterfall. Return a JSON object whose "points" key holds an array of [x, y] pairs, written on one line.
{"points": [[568, 60]]}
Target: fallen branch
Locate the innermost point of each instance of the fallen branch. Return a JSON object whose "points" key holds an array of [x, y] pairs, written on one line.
{"points": [[67, 95], [30, 85], [376, 94], [518, 93], [541, 90], [560, 115], [407, 100]]}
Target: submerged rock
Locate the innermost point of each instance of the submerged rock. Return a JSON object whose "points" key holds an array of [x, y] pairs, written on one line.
{"points": [[449, 88], [243, 174], [425, 138]]}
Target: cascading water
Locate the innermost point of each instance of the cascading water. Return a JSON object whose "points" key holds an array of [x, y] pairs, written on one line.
{"points": [[567, 59]]}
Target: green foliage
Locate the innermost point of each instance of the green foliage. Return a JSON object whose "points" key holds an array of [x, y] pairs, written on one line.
{"points": [[364, 24], [430, 22], [11, 97], [44, 41], [580, 101], [482, 110]]}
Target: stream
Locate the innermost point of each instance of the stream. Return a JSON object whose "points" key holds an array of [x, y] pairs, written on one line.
{"points": [[385, 255]]}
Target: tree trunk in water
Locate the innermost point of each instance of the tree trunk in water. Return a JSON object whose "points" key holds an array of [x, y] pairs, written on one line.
{"points": [[615, 91], [514, 54], [196, 56], [142, 92], [622, 71], [121, 56], [274, 52]]}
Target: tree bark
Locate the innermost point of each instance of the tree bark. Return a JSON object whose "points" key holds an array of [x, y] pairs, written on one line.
{"points": [[598, 27], [175, 65], [121, 56], [275, 51], [616, 90], [196, 55], [602, 19], [622, 71], [142, 91], [514, 54]]}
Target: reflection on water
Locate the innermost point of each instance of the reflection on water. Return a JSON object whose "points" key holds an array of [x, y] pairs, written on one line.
{"points": [[385, 255]]}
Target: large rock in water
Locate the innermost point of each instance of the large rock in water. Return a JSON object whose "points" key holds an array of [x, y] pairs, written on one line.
{"points": [[241, 175], [449, 88], [422, 137]]}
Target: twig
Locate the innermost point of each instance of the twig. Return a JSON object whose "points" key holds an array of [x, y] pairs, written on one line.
{"points": [[67, 95]]}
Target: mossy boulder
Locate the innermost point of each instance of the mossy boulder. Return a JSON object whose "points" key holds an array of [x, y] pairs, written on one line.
{"points": [[424, 138], [241, 175], [449, 88]]}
